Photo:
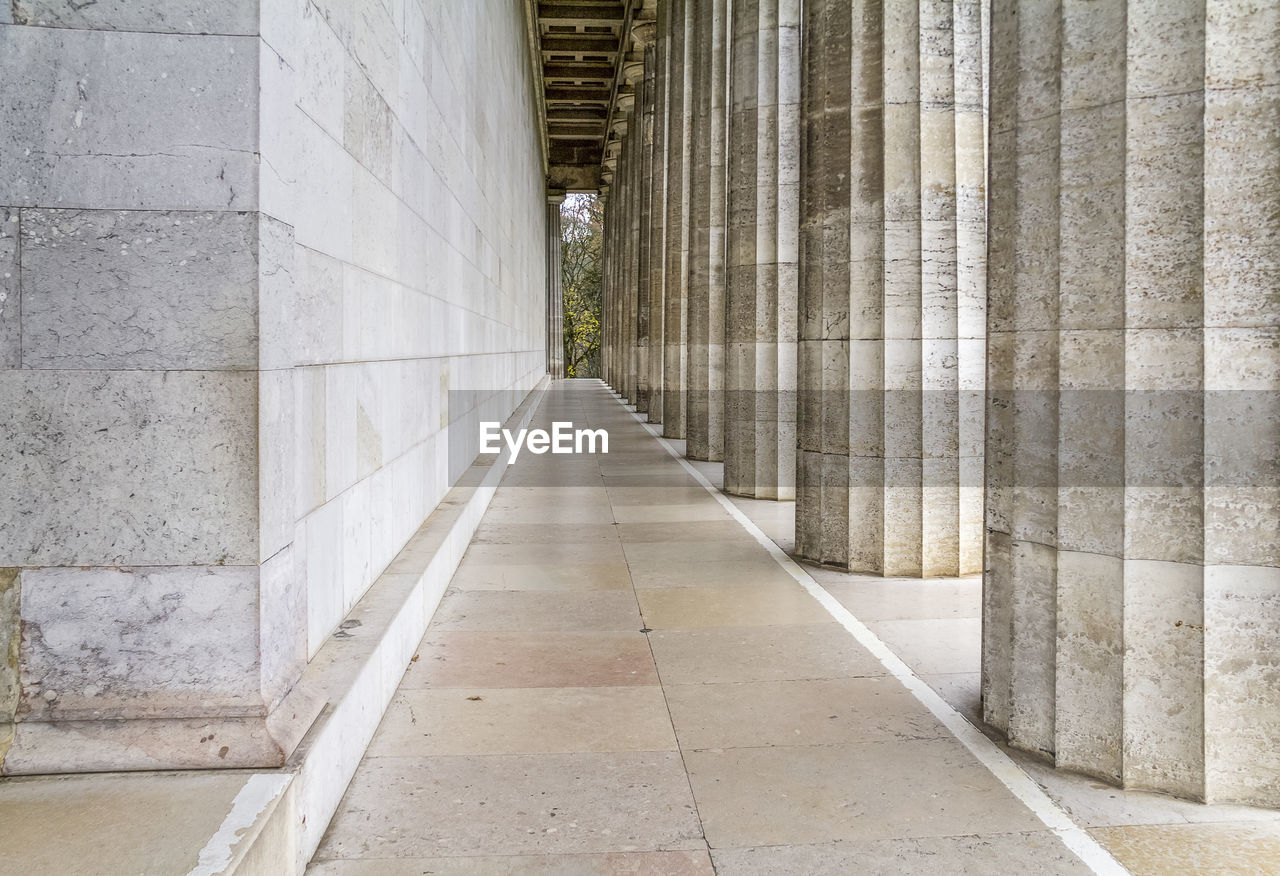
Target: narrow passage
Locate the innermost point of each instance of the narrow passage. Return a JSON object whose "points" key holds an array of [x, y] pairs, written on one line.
{"points": [[622, 679]]}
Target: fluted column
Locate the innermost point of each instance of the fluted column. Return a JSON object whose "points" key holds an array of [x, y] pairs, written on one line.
{"points": [[707, 209], [555, 289], [639, 138], [656, 84], [884, 361], [610, 308], [1132, 599], [763, 248], [628, 230], [679, 25], [606, 279]]}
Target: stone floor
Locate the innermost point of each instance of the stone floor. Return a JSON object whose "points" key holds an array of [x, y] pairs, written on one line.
{"points": [[628, 676]]}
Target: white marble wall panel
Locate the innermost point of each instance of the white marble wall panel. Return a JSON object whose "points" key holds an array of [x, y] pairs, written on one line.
{"points": [[419, 261]]}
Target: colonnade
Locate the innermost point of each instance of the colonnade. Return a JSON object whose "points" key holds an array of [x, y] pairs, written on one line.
{"points": [[1027, 326]]}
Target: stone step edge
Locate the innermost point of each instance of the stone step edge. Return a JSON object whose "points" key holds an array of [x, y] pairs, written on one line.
{"points": [[358, 670]]}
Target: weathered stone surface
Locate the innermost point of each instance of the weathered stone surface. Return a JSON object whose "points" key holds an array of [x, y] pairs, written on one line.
{"points": [[128, 468], [10, 291], [139, 290], [762, 251], [128, 120], [1129, 428], [10, 635], [708, 54], [139, 642], [888, 420], [153, 16], [282, 624], [679, 84]]}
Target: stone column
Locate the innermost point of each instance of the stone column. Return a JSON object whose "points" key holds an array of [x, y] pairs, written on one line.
{"points": [[707, 208], [763, 248], [655, 143], [627, 231], [676, 229], [555, 289], [609, 305], [641, 135], [1132, 599], [883, 361]]}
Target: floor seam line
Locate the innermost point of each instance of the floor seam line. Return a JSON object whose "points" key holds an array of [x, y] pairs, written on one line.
{"points": [[1000, 765], [684, 765]]}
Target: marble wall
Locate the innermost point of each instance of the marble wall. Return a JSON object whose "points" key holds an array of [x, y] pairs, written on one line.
{"points": [[247, 251]]}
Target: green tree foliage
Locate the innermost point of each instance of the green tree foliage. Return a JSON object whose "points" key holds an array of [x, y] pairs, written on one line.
{"points": [[582, 235]]}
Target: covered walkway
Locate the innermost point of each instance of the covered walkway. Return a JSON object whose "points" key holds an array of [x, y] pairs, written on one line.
{"points": [[627, 676]]}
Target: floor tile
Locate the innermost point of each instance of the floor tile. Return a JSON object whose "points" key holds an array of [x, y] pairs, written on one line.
{"points": [[1032, 852], [888, 599], [1208, 849], [538, 611], [551, 532], [577, 577], [547, 512], [524, 721], [814, 712], [721, 573], [669, 513], [692, 607], [727, 529], [666, 553], [665, 495], [961, 690], [775, 653], [615, 864], [545, 554], [482, 659], [509, 496], [933, 647], [507, 805], [1094, 803], [816, 794]]}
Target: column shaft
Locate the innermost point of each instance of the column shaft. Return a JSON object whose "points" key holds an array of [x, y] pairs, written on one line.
{"points": [[1132, 603], [762, 250], [676, 230], [644, 195], [555, 290], [884, 361], [656, 79], [706, 268]]}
